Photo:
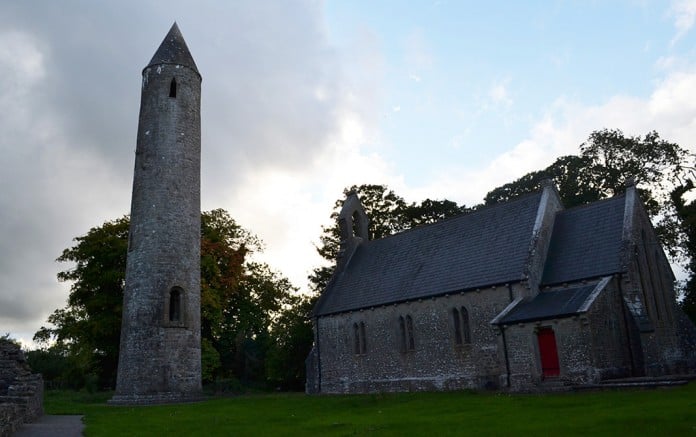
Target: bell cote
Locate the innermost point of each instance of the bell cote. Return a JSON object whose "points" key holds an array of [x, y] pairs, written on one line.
{"points": [[353, 227]]}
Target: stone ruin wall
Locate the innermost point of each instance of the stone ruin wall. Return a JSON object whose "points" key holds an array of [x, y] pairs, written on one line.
{"points": [[21, 392]]}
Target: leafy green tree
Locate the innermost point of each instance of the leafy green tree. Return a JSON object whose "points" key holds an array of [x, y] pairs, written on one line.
{"points": [[89, 327], [431, 211], [388, 214], [567, 172], [53, 364], [686, 212], [292, 330], [245, 335]]}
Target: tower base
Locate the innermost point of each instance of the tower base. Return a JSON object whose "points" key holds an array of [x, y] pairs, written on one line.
{"points": [[156, 398]]}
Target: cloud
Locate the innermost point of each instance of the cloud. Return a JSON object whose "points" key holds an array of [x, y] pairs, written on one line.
{"points": [[498, 94], [684, 13]]}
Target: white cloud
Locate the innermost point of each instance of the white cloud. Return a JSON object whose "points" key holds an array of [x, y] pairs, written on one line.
{"points": [[499, 95], [684, 13], [287, 208]]}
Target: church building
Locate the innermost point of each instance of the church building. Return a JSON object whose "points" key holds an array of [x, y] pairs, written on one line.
{"points": [[519, 296]]}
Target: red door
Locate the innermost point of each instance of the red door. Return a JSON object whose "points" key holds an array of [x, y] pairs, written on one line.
{"points": [[548, 352]]}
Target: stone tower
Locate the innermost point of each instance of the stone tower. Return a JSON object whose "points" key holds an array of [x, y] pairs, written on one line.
{"points": [[160, 352]]}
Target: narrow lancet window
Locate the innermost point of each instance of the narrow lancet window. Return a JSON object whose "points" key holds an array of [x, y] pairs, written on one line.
{"points": [[172, 88], [402, 333], [457, 327], [409, 334], [466, 330], [359, 344], [175, 305]]}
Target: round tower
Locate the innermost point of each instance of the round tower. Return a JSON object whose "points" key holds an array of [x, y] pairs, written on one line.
{"points": [[160, 351]]}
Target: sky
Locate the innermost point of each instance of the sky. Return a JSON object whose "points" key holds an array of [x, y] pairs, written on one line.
{"points": [[300, 99]]}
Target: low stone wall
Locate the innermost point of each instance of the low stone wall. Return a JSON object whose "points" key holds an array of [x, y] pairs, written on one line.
{"points": [[21, 392]]}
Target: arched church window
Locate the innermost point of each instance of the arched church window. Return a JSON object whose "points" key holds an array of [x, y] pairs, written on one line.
{"points": [[409, 334], [359, 343], [402, 334], [457, 327], [462, 331], [363, 339], [466, 331]]}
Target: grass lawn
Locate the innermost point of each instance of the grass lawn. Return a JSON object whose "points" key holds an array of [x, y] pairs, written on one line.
{"points": [[643, 412]]}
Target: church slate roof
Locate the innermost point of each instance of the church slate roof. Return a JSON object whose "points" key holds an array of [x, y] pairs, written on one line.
{"points": [[552, 304], [173, 50], [586, 242], [482, 248]]}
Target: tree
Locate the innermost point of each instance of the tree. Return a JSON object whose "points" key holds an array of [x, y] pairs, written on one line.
{"points": [[567, 172], [88, 329], [239, 301], [686, 212], [246, 336], [388, 214], [292, 330]]}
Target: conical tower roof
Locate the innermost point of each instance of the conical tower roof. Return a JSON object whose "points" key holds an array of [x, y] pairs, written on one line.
{"points": [[173, 50]]}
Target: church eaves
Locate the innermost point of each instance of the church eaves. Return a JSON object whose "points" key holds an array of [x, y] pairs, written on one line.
{"points": [[173, 50]]}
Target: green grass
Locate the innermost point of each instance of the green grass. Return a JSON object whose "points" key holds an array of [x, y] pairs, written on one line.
{"points": [[643, 412]]}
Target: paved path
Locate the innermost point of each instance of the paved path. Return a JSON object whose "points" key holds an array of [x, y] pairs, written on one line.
{"points": [[52, 426]]}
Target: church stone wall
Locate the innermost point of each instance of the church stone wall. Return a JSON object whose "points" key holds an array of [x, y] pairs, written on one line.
{"points": [[610, 337], [649, 285], [436, 361]]}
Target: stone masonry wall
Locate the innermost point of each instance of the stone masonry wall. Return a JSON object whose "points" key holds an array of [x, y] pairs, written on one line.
{"points": [[435, 362], [649, 283], [21, 392], [610, 338]]}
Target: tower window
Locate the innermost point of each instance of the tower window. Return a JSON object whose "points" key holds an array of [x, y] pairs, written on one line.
{"points": [[175, 305], [172, 88]]}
